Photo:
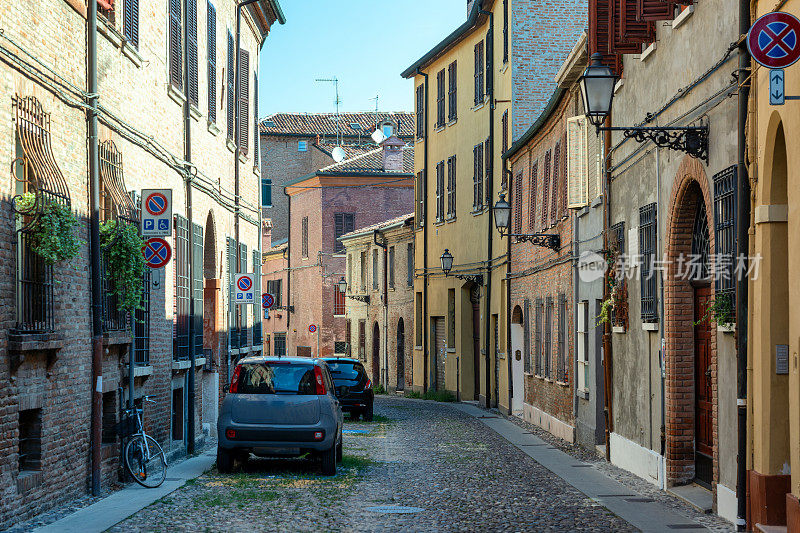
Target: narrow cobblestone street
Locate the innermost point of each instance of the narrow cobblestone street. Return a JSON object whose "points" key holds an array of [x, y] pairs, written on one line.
{"points": [[424, 455]]}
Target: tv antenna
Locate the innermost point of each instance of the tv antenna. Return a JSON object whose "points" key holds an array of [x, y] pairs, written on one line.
{"points": [[335, 82]]}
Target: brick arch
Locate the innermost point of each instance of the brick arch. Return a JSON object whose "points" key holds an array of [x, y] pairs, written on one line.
{"points": [[690, 186]]}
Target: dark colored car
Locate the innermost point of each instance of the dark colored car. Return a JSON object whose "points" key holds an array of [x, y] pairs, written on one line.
{"points": [[280, 407], [353, 387]]}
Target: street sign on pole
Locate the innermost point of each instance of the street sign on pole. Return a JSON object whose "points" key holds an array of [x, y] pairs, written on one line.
{"points": [[156, 212], [267, 301], [312, 328], [244, 289], [776, 85], [774, 40], [157, 252]]}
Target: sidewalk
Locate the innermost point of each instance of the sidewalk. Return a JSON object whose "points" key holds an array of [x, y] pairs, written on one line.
{"points": [[641, 512], [123, 503]]}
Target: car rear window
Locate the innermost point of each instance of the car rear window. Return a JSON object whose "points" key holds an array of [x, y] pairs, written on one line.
{"points": [[276, 378], [347, 371]]}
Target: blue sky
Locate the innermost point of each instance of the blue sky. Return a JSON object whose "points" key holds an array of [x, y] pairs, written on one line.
{"points": [[365, 43]]}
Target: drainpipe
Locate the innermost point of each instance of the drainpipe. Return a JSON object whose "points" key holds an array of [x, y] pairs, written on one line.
{"points": [[510, 177], [742, 239], [94, 250], [187, 156], [490, 187], [607, 354], [385, 248], [425, 239], [661, 320], [576, 296]]}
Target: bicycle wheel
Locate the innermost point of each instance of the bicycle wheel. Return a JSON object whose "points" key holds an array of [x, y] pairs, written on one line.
{"points": [[146, 465]]}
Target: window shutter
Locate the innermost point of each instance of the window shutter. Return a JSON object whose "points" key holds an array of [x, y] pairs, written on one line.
{"points": [[191, 53], [440, 88], [452, 92], [475, 183], [576, 162], [632, 29], [526, 337], [256, 139], [230, 85], [175, 45], [594, 164], [244, 100], [601, 30], [616, 27], [197, 287], [131, 22], [488, 160], [656, 10], [554, 211], [349, 222], [545, 188], [338, 231], [518, 203], [212, 62], [532, 195], [488, 63]]}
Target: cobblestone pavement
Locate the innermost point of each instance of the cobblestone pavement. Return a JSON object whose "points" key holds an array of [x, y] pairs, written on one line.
{"points": [[461, 474]]}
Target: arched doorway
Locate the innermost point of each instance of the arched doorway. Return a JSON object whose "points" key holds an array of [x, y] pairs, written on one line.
{"points": [[376, 354], [518, 353], [401, 355], [691, 351], [211, 312]]}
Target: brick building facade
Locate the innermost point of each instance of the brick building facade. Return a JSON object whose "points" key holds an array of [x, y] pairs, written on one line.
{"points": [[324, 205], [274, 277], [46, 333], [379, 319]]}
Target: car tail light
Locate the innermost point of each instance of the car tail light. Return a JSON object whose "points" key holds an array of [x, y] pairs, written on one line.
{"points": [[230, 434], [368, 385], [319, 435], [320, 382], [235, 379]]}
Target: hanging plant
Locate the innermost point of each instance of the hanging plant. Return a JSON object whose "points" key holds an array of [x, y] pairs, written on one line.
{"points": [[53, 233], [614, 287], [122, 252], [720, 311]]}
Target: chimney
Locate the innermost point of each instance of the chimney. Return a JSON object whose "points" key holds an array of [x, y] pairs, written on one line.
{"points": [[393, 154]]}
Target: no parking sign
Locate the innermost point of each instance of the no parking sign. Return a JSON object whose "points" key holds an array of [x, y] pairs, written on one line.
{"points": [[156, 212], [244, 289]]}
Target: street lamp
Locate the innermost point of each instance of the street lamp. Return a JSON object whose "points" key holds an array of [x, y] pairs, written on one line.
{"points": [[597, 91], [358, 297], [447, 265], [342, 285], [502, 219]]}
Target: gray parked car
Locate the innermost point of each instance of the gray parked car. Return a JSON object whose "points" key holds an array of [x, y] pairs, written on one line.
{"points": [[280, 406]]}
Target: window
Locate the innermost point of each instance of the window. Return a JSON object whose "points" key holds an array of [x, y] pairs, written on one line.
{"points": [[302, 146], [505, 31], [410, 264], [130, 22], [362, 340], [388, 130], [418, 317], [304, 236], [30, 440], [363, 271], [440, 191], [489, 55], [191, 52], [452, 92], [419, 191], [477, 177], [518, 203], [526, 336], [141, 327], [478, 73], [647, 247], [582, 348], [391, 267], [274, 287], [211, 49], [451, 318], [175, 44], [242, 309], [244, 100], [537, 343], [554, 207], [266, 192], [338, 301], [229, 88], [504, 127], [280, 344], [577, 163], [348, 335], [548, 336], [256, 161], [440, 96], [340, 347], [451, 187], [725, 234], [532, 195], [350, 272], [105, 8], [181, 296], [561, 368], [545, 189], [374, 270], [488, 160], [109, 417], [177, 414], [233, 330], [342, 223], [420, 111]]}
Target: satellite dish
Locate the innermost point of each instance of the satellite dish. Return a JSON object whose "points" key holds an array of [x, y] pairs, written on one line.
{"points": [[378, 136], [338, 154]]}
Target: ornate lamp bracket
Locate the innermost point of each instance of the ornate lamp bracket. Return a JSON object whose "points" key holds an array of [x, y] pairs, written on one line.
{"points": [[545, 240], [358, 297], [692, 140], [477, 279]]}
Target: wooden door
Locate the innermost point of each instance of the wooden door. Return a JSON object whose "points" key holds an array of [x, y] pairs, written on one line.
{"points": [[476, 341], [401, 355], [437, 328], [376, 353], [704, 431]]}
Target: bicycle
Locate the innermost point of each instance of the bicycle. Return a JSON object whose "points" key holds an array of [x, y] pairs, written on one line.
{"points": [[143, 456]]}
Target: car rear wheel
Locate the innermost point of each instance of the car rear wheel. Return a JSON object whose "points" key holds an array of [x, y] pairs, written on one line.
{"points": [[329, 462], [339, 451], [368, 414], [224, 460]]}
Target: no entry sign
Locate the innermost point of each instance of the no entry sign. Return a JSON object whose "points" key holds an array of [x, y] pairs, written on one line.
{"points": [[774, 40], [243, 289], [156, 212], [157, 252]]}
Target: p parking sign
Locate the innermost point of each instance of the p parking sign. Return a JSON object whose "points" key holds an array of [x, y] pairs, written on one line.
{"points": [[244, 289]]}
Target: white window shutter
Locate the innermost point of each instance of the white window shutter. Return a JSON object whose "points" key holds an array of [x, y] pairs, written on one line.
{"points": [[577, 168], [594, 156]]}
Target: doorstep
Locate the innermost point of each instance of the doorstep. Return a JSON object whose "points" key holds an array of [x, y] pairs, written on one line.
{"points": [[770, 529], [698, 497]]}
